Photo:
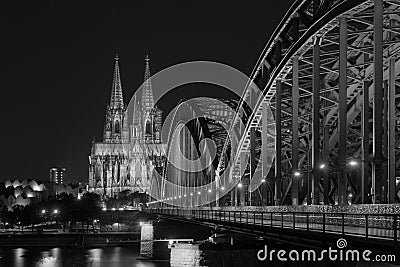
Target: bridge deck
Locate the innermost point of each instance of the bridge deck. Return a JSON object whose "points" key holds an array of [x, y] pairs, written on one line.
{"points": [[376, 226]]}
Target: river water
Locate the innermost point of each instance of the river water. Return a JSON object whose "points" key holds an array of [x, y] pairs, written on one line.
{"points": [[125, 256], [66, 257]]}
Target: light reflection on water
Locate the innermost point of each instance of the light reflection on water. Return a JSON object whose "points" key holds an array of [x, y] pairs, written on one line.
{"points": [[77, 257]]}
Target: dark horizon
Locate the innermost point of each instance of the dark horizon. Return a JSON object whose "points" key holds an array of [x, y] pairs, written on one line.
{"points": [[59, 62]]}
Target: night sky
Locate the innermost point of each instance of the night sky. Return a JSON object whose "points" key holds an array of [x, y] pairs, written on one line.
{"points": [[57, 60]]}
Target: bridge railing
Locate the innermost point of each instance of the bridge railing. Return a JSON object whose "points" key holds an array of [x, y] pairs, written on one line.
{"points": [[386, 226]]}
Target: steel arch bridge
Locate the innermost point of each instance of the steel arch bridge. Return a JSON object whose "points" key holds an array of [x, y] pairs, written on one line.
{"points": [[329, 74]]}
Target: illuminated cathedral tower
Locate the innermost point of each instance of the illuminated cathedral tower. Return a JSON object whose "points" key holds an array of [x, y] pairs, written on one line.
{"points": [[116, 126], [128, 154]]}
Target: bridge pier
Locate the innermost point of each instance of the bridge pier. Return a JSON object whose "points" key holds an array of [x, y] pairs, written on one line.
{"points": [[146, 233]]}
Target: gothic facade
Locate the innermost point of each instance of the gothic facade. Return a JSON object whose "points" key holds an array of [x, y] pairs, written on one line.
{"points": [[131, 149]]}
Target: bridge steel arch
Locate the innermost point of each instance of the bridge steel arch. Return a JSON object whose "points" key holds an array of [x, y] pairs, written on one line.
{"points": [[186, 173], [330, 108]]}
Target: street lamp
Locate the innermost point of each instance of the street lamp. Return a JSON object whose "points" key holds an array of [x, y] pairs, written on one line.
{"points": [[43, 211], [297, 173], [322, 166], [55, 211], [240, 185], [353, 163]]}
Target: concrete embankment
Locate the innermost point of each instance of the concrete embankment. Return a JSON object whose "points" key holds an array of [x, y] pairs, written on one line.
{"points": [[68, 239]]}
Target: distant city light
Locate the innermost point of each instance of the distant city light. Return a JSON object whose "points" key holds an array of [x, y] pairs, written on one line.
{"points": [[263, 181], [209, 190], [104, 209], [191, 194], [199, 193], [223, 188], [296, 173], [240, 185], [121, 209], [322, 166], [43, 211], [55, 211], [113, 208]]}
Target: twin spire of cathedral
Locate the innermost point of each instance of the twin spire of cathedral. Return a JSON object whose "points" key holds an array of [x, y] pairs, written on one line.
{"points": [[117, 99], [146, 120]]}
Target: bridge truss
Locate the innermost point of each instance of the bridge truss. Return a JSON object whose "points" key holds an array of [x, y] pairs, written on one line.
{"points": [[325, 128]]}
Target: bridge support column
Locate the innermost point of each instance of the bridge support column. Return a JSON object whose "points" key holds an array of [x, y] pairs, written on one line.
{"points": [[378, 103], [234, 197], [243, 189], [365, 142], [265, 153], [316, 121], [391, 133], [342, 155], [327, 181], [384, 181], [252, 163], [295, 130], [278, 142]]}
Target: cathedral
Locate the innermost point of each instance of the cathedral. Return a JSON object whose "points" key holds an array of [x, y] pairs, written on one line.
{"points": [[131, 149]]}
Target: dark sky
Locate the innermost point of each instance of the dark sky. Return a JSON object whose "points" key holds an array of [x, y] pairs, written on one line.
{"points": [[57, 60]]}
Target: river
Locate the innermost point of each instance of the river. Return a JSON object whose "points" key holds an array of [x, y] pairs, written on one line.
{"points": [[42, 256]]}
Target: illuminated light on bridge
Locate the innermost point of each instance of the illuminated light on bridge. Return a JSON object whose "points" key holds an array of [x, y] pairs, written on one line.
{"points": [[353, 163]]}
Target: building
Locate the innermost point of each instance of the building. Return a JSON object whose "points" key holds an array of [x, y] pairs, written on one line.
{"points": [[131, 148], [57, 175]]}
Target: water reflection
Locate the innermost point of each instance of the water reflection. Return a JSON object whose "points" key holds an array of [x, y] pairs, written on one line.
{"points": [[65, 257], [103, 256]]}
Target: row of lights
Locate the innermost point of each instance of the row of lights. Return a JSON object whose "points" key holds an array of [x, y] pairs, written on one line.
{"points": [[240, 185], [113, 209], [352, 163], [55, 211]]}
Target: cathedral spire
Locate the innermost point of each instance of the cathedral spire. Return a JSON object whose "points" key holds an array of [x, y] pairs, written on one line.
{"points": [[117, 100], [147, 93]]}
